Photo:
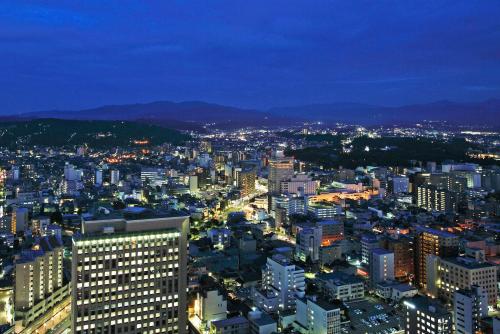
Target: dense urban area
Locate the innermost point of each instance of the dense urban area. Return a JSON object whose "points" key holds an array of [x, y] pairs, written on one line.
{"points": [[121, 227]]}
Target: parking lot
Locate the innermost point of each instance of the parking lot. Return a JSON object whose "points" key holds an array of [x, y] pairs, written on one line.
{"points": [[371, 316]]}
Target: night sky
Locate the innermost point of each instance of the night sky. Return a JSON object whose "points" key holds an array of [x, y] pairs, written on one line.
{"points": [[255, 54]]}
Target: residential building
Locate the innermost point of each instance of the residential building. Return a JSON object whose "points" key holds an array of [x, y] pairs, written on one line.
{"points": [[469, 307], [426, 316]]}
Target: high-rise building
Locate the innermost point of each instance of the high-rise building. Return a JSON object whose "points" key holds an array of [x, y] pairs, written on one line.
{"points": [[308, 244], [469, 307], [38, 273], [462, 273], [281, 280], [318, 315], [129, 273], [368, 242], [428, 242], [115, 176], [280, 169], [381, 265], [98, 177], [426, 316], [433, 198], [246, 180], [402, 247]]}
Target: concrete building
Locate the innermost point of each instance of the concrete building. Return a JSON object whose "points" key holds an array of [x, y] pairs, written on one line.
{"points": [[368, 242], [432, 242], [469, 307], [280, 169], [433, 198], [381, 265], [399, 184], [38, 273], [129, 273], [425, 316], [403, 250], [331, 231], [341, 286], [281, 280], [300, 184], [308, 243], [318, 316], [115, 176], [464, 273], [210, 305]]}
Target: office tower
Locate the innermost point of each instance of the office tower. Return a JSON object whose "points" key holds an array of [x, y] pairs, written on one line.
{"points": [[115, 176], [426, 316], [308, 244], [432, 242], [469, 307], [98, 177], [403, 248], [318, 315], [38, 273], [300, 184], [193, 184], [281, 280], [331, 231], [279, 170], [381, 265], [462, 273], [399, 184], [368, 242], [431, 198], [490, 179], [246, 180], [19, 221], [129, 273], [15, 173]]}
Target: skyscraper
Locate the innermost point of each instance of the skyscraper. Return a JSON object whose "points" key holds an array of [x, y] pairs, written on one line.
{"points": [[280, 169], [129, 273], [429, 241]]}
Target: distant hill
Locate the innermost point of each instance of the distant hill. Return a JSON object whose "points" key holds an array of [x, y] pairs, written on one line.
{"points": [[99, 134], [193, 115], [182, 115], [477, 113]]}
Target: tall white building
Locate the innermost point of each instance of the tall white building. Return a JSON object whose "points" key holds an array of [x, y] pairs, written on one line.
{"points": [[469, 307], [129, 274], [318, 316], [381, 265], [281, 280], [115, 176], [308, 243]]}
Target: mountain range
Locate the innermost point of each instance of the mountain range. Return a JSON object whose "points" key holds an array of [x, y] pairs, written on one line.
{"points": [[195, 114]]}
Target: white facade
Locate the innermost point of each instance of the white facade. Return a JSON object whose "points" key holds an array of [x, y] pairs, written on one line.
{"points": [[284, 278], [469, 307], [381, 265], [318, 316]]}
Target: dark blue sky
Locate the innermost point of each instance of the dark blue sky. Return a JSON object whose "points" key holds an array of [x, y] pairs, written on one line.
{"points": [[76, 54]]}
